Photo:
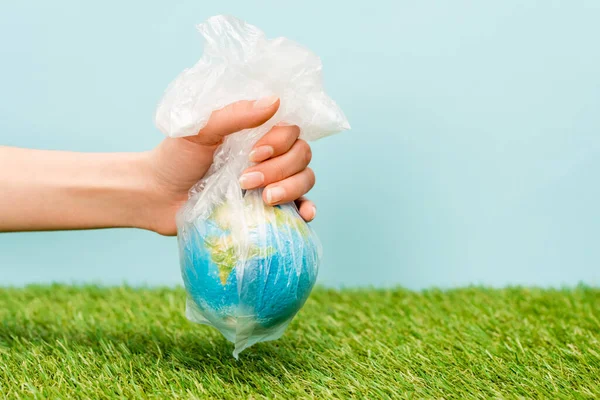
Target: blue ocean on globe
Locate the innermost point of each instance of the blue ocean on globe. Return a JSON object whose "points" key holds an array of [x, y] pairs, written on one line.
{"points": [[248, 269]]}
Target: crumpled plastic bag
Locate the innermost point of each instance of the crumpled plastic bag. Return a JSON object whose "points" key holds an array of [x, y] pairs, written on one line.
{"points": [[247, 267]]}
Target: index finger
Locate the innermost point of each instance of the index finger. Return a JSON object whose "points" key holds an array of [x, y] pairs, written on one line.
{"points": [[276, 142]]}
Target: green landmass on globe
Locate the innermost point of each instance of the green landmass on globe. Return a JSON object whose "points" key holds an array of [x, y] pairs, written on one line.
{"points": [[222, 247]]}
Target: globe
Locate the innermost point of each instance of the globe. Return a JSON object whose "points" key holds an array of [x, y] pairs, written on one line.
{"points": [[248, 268]]}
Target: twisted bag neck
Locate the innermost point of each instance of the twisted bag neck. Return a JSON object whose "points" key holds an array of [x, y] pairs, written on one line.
{"points": [[240, 63]]}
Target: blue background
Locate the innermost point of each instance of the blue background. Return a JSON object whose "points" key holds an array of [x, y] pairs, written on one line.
{"points": [[474, 155]]}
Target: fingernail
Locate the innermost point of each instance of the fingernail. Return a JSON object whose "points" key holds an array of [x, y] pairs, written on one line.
{"points": [[314, 214], [265, 102], [275, 194], [251, 180], [261, 153]]}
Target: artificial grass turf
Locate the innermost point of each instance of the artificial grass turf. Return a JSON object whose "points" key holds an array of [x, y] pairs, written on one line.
{"points": [[90, 342]]}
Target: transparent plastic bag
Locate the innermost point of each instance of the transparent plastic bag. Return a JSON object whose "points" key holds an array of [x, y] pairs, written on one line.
{"points": [[248, 268]]}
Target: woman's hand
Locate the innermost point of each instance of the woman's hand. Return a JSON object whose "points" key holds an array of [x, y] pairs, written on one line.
{"points": [[58, 190], [282, 162]]}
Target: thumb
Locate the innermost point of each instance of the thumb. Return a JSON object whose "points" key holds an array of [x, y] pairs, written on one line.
{"points": [[234, 118]]}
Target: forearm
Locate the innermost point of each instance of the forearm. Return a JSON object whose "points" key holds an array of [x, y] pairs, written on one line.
{"points": [[55, 190]]}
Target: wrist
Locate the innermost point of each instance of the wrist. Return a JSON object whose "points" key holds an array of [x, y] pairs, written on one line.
{"points": [[156, 203], [134, 192], [117, 188]]}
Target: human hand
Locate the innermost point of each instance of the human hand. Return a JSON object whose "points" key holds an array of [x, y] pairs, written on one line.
{"points": [[282, 163]]}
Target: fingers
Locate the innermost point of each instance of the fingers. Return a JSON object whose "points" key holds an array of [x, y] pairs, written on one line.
{"points": [[283, 169], [234, 118], [279, 168], [289, 189], [275, 143], [283, 158], [306, 208]]}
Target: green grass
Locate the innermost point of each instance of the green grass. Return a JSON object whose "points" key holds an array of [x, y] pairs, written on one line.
{"points": [[103, 343]]}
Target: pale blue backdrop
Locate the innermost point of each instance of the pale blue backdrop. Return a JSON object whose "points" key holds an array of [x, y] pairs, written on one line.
{"points": [[474, 155]]}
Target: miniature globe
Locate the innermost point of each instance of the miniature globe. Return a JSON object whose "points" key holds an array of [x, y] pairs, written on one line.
{"points": [[248, 267]]}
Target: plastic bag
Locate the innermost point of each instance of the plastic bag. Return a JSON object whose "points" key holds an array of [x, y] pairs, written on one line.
{"points": [[248, 268]]}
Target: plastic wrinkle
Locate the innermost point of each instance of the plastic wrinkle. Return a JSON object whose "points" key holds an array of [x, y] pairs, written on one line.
{"points": [[247, 268]]}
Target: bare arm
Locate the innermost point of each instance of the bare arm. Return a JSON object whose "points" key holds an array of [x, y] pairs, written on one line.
{"points": [[47, 190], [54, 190]]}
